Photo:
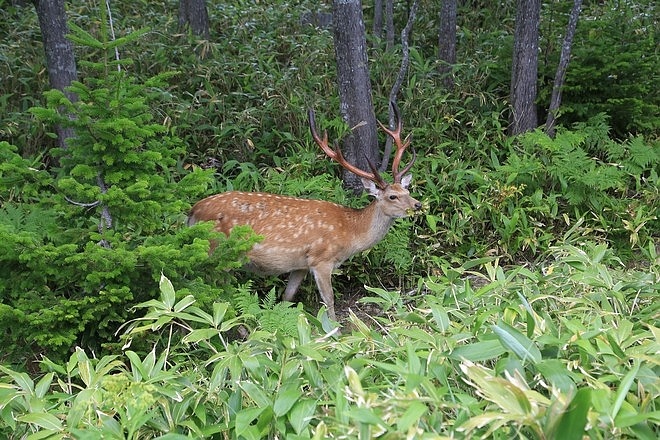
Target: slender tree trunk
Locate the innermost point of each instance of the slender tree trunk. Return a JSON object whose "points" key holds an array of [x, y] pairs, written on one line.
{"points": [[354, 88], [60, 59], [193, 13], [447, 42], [525, 67], [378, 19], [396, 88], [389, 24], [560, 75]]}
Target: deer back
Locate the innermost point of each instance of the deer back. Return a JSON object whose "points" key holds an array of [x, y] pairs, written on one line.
{"points": [[301, 233]]}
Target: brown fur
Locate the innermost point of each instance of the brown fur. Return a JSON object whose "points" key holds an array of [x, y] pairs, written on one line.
{"points": [[301, 235]]}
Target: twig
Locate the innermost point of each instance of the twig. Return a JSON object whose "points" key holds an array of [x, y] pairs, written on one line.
{"points": [[112, 32], [403, 70], [84, 205]]}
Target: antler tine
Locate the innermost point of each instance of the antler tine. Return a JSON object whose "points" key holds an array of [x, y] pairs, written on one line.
{"points": [[338, 157], [401, 146], [323, 143], [407, 168]]}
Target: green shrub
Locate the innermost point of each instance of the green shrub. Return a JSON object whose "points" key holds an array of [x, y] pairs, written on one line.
{"points": [[82, 246], [614, 68]]}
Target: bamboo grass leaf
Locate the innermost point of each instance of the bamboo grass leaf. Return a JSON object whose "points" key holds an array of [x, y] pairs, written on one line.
{"points": [[523, 347]]}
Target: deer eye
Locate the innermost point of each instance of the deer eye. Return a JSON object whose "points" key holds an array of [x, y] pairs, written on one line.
{"points": [[393, 197]]}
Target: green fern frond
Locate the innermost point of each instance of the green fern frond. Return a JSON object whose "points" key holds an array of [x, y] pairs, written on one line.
{"points": [[642, 155], [281, 318], [395, 247], [270, 300], [245, 301], [29, 218], [270, 314]]}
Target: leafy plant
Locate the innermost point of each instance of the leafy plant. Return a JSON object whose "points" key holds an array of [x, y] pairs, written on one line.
{"points": [[565, 349]]}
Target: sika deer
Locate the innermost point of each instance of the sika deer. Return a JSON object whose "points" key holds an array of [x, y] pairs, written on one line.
{"points": [[301, 235]]}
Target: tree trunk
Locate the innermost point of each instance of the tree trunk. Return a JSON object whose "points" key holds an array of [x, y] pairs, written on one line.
{"points": [[389, 24], [60, 60], [378, 19], [193, 14], [525, 67], [356, 105], [560, 75], [447, 42], [396, 88]]}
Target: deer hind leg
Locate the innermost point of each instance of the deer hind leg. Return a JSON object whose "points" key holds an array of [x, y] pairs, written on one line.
{"points": [[322, 275], [295, 278]]}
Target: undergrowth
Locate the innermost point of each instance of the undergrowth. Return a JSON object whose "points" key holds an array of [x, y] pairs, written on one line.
{"points": [[521, 303], [569, 349]]}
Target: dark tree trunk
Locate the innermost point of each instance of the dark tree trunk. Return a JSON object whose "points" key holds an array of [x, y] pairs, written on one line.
{"points": [[60, 60], [447, 42], [560, 75], [193, 14], [378, 19], [356, 105], [525, 67], [389, 24]]}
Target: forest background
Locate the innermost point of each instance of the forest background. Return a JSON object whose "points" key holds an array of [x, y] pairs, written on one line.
{"points": [[520, 304]]}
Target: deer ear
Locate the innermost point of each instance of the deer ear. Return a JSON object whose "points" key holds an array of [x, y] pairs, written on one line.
{"points": [[405, 180], [371, 187]]}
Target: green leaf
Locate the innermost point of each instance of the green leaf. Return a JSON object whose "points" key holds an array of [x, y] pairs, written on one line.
{"points": [[571, 423], [623, 388], [557, 374], [366, 416], [22, 379], [353, 380], [43, 420], [173, 436], [286, 398], [301, 414], [478, 351], [502, 392], [244, 419], [219, 311], [412, 415], [311, 351], [255, 393], [137, 367], [615, 346], [202, 334], [43, 385], [184, 303], [167, 292], [519, 344], [82, 37], [441, 317], [84, 367]]}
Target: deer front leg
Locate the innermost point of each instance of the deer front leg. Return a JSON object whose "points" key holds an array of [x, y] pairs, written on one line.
{"points": [[295, 278], [322, 275]]}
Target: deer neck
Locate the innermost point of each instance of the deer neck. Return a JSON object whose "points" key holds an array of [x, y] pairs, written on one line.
{"points": [[371, 225]]}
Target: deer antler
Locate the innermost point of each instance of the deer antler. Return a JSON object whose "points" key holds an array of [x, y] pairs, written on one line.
{"points": [[338, 157], [401, 146]]}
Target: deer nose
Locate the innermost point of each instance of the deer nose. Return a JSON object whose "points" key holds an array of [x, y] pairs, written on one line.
{"points": [[418, 206]]}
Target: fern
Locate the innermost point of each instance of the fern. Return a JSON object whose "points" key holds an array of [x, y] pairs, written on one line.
{"points": [[394, 250], [270, 314], [640, 156], [33, 219], [281, 318], [245, 301]]}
